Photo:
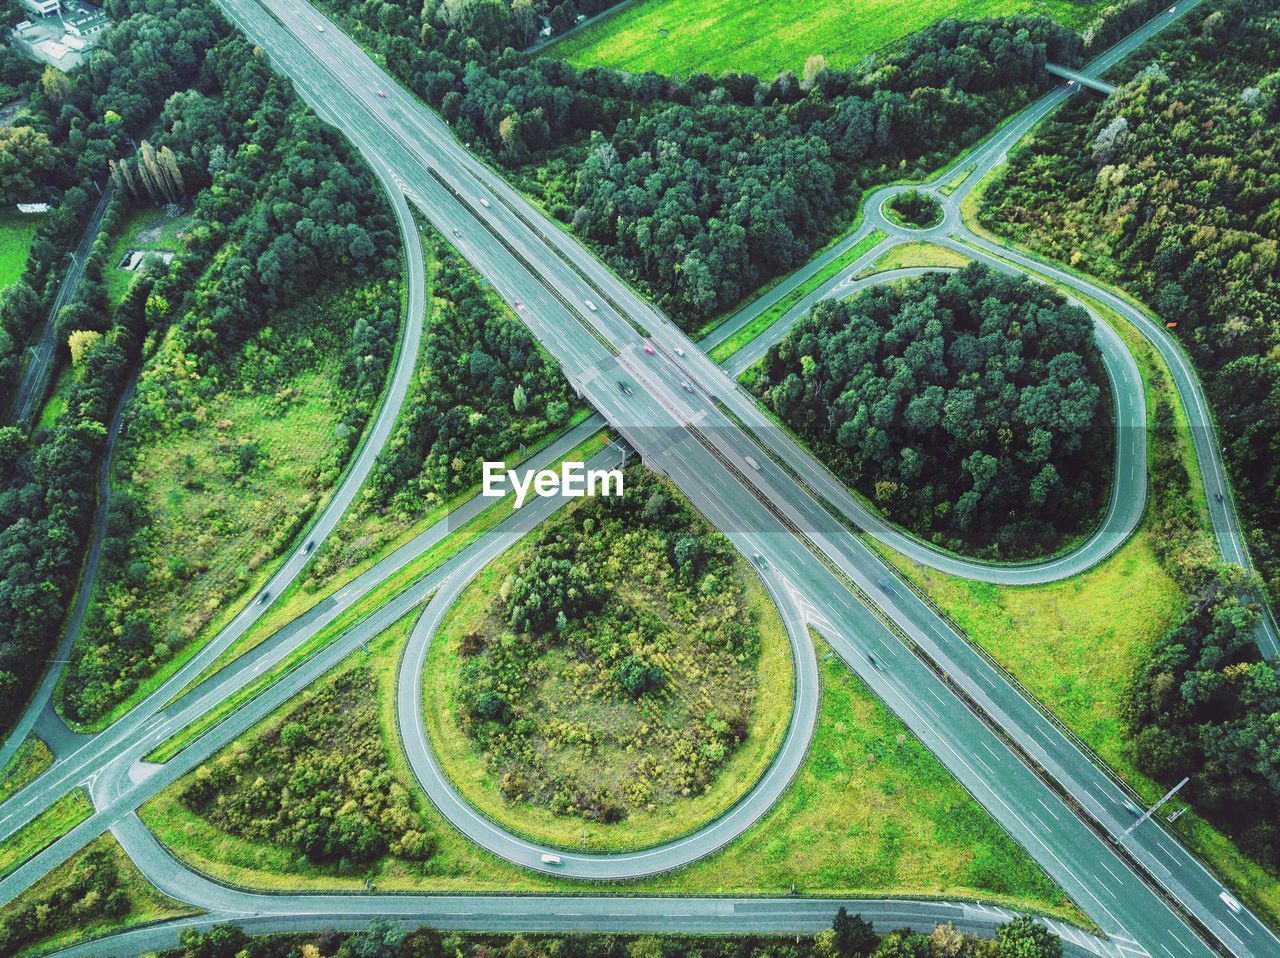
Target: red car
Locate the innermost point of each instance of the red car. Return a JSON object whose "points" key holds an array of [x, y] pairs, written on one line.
{"points": [[648, 349], [383, 94], [519, 305]]}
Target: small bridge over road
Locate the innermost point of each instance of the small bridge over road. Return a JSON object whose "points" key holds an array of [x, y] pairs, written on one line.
{"points": [[1093, 83]]}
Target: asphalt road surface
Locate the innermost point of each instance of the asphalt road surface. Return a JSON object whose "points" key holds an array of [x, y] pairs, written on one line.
{"points": [[960, 705]]}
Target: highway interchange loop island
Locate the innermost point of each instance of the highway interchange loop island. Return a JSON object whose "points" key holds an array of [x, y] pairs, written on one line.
{"points": [[1146, 894]]}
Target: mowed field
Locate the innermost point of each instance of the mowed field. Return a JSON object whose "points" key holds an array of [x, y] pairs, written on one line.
{"points": [[686, 36]]}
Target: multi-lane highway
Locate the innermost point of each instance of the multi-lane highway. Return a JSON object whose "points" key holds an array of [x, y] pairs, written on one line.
{"points": [[765, 493]]}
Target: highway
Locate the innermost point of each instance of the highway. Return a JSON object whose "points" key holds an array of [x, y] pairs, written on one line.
{"points": [[1008, 753]]}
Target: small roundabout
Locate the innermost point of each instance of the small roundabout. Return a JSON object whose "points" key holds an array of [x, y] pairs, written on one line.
{"points": [[635, 729]]}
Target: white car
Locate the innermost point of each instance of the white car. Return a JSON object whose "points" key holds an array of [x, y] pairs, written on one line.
{"points": [[551, 859], [752, 463], [320, 28], [484, 202], [1230, 902], [590, 305]]}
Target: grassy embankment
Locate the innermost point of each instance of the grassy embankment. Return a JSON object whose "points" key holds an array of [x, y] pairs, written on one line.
{"points": [[31, 758], [58, 929], [1075, 644], [16, 233], [686, 36], [213, 529], [46, 828]]}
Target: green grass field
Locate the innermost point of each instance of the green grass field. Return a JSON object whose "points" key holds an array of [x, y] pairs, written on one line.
{"points": [[143, 228], [16, 233], [917, 254], [464, 762], [31, 758], [50, 825], [871, 812], [686, 36]]}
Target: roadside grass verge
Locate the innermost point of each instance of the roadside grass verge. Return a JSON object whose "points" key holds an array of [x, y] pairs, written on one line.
{"points": [[16, 233], [872, 811], [29, 759], [56, 896], [46, 828], [457, 865], [464, 763], [685, 36], [1075, 644], [421, 566], [779, 309], [906, 255]]}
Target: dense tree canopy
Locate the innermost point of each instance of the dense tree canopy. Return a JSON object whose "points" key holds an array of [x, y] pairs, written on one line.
{"points": [[1203, 705], [1172, 188], [964, 405]]}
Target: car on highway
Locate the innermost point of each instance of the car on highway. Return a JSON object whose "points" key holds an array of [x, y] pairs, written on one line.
{"points": [[687, 386], [518, 305], [320, 28], [264, 597], [457, 232], [1218, 496], [590, 305], [761, 561], [623, 387], [1130, 807], [551, 859], [383, 94], [648, 349], [875, 664], [752, 463], [679, 351], [1230, 902], [311, 544], [886, 586], [484, 202]]}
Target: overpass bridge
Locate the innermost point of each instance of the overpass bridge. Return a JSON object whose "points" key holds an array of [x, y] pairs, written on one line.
{"points": [[1093, 83]]}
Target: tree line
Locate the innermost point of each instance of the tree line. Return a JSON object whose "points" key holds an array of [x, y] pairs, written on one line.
{"points": [[701, 188], [964, 405], [850, 936]]}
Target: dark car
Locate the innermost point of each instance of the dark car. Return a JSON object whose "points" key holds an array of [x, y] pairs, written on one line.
{"points": [[624, 388]]}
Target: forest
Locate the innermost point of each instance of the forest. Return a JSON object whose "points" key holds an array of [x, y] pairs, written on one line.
{"points": [[635, 604], [700, 189], [963, 405], [1172, 189], [289, 211], [849, 936]]}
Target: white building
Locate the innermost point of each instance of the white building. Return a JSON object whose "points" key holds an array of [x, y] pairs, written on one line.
{"points": [[42, 8]]}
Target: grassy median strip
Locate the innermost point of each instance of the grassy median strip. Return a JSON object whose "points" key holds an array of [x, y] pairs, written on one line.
{"points": [[45, 829], [779, 309], [421, 566], [31, 758]]}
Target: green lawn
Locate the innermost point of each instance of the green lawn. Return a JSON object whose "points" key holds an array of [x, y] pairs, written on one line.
{"points": [[50, 825], [464, 763], [142, 228], [685, 36], [31, 758], [16, 233], [918, 254], [872, 811]]}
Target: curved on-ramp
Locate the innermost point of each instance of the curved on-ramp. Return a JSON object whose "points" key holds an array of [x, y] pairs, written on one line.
{"points": [[602, 866]]}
